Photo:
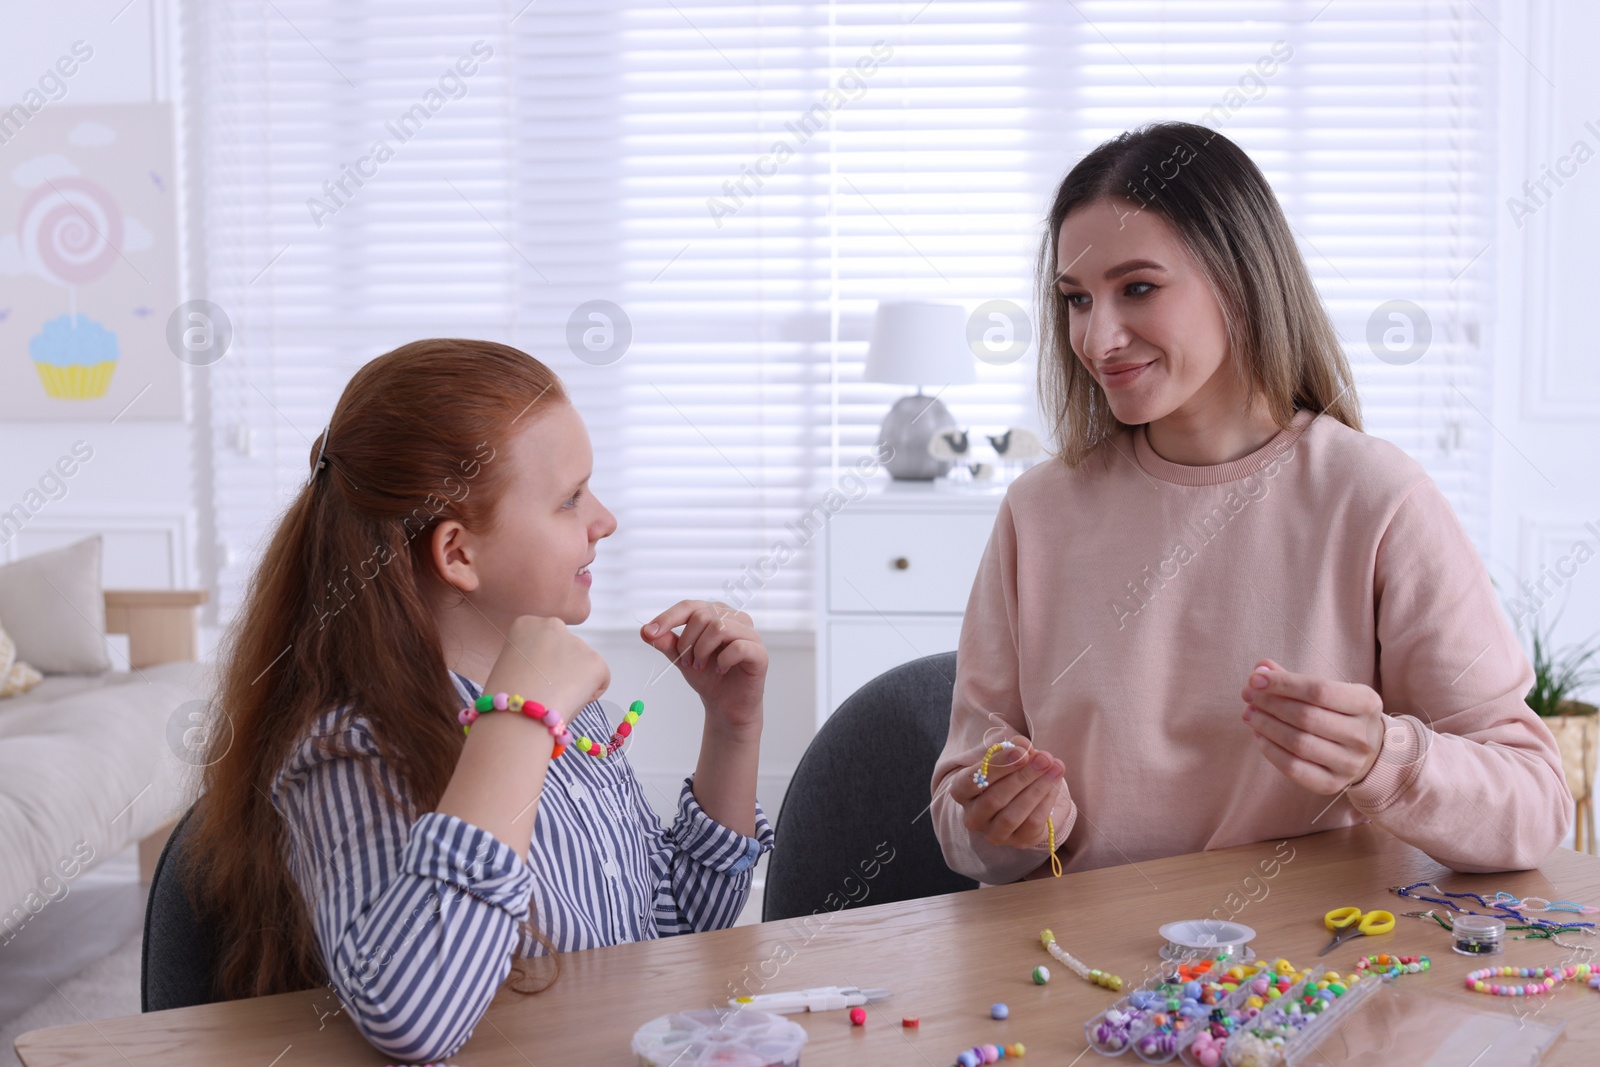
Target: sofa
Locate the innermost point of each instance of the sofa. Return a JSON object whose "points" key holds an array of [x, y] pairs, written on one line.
{"points": [[93, 761]]}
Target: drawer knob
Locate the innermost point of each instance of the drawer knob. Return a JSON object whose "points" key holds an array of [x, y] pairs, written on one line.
{"points": [[901, 563]]}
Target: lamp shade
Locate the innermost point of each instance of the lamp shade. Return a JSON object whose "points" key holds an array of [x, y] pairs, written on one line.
{"points": [[920, 344]]}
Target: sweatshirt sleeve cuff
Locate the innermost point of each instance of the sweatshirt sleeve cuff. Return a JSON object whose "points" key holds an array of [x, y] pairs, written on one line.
{"points": [[969, 854], [452, 851], [713, 845], [1405, 746]]}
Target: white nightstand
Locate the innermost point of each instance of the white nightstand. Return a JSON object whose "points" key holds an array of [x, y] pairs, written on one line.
{"points": [[893, 576]]}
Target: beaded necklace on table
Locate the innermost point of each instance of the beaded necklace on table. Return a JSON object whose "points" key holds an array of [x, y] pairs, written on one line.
{"points": [[1500, 908]]}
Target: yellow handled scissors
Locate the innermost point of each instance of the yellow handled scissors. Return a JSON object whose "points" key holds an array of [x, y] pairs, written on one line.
{"points": [[1350, 922]]}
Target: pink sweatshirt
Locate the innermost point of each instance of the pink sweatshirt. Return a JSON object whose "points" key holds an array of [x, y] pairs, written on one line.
{"points": [[1119, 608]]}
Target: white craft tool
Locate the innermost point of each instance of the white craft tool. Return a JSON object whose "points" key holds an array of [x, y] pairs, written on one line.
{"points": [[825, 998]]}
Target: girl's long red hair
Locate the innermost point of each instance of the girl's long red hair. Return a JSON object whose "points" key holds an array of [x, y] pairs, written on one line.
{"points": [[338, 614]]}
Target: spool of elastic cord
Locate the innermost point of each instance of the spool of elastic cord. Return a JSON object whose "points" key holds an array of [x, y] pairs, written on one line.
{"points": [[1189, 938], [719, 1038], [1478, 935]]}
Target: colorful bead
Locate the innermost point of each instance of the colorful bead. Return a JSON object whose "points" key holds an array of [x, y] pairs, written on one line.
{"points": [[911, 1022], [1041, 975], [858, 1016], [998, 1011], [980, 777], [500, 701]]}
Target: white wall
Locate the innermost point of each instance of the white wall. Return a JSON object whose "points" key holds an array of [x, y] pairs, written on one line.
{"points": [[1546, 417], [138, 489]]}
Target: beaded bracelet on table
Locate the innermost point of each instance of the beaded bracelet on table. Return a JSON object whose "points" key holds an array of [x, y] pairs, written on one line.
{"points": [[1546, 979], [1386, 966], [980, 778]]}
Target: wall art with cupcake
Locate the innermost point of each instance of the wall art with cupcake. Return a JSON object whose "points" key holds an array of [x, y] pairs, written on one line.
{"points": [[89, 265]]}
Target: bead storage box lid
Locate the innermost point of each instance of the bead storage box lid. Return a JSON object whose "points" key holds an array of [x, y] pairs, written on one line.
{"points": [[709, 1037], [1393, 1023]]}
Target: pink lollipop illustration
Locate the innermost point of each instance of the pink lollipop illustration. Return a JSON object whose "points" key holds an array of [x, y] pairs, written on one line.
{"points": [[69, 231], [70, 228]]}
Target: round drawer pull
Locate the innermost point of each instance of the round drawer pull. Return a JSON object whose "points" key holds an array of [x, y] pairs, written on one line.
{"points": [[901, 563]]}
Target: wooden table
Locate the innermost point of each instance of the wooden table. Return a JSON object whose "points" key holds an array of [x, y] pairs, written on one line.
{"points": [[947, 959]]}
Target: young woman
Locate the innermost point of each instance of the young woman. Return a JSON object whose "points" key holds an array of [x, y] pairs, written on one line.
{"points": [[1223, 614], [348, 833]]}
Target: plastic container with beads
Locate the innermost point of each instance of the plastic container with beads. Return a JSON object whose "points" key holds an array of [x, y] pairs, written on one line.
{"points": [[1164, 1035], [1203, 1044], [1261, 1043], [1112, 1031], [1314, 1001], [710, 1037]]}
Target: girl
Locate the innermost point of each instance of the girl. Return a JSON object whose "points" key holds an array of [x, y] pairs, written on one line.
{"points": [[348, 833], [1216, 523]]}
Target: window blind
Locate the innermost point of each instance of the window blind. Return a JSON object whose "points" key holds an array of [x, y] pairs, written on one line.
{"points": [[690, 210]]}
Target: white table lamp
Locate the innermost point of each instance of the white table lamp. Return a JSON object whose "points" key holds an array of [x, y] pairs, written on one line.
{"points": [[918, 344]]}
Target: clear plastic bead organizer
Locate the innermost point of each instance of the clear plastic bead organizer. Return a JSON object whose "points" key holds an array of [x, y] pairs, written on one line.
{"points": [[1129, 1023]]}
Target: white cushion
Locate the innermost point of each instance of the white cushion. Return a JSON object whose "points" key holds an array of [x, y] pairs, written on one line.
{"points": [[56, 609]]}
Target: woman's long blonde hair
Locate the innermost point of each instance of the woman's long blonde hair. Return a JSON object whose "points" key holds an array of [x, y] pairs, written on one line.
{"points": [[1280, 339]]}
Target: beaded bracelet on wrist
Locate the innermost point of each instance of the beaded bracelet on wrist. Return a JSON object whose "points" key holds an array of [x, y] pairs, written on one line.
{"points": [[552, 720]]}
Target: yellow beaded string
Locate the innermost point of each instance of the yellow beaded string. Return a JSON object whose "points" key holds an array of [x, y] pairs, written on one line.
{"points": [[1089, 974], [981, 779]]}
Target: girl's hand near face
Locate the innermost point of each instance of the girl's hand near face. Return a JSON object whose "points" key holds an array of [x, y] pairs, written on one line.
{"points": [[1322, 734], [721, 657], [500, 775], [545, 661]]}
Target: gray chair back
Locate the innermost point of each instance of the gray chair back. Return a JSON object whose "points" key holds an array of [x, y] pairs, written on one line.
{"points": [[854, 828], [177, 963]]}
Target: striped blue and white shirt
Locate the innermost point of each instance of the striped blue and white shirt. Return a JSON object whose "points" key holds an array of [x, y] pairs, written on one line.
{"points": [[418, 916]]}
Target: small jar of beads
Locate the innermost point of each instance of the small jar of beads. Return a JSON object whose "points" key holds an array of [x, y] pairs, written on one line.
{"points": [[1478, 935]]}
